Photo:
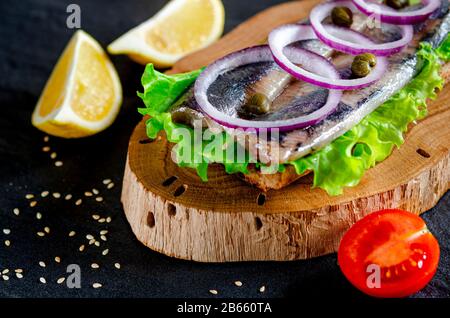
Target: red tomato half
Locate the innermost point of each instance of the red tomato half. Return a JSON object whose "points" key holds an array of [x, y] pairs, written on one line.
{"points": [[389, 253]]}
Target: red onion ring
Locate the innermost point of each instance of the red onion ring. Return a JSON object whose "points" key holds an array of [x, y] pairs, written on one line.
{"points": [[345, 41], [263, 54], [281, 37], [388, 15]]}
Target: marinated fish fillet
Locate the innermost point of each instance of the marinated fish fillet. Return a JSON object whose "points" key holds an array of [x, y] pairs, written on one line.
{"points": [[292, 98]]}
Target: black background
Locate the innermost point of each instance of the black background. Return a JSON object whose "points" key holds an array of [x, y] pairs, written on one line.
{"points": [[32, 36]]}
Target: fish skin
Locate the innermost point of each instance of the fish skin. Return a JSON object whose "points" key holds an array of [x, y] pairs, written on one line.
{"points": [[295, 98]]}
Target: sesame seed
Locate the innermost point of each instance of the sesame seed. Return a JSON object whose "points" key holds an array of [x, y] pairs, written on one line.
{"points": [[53, 155], [44, 194], [56, 195], [6, 231], [97, 243], [105, 252], [95, 265], [96, 216], [96, 285], [95, 191], [16, 211], [18, 270], [92, 241], [61, 280], [213, 291], [33, 204], [58, 163], [238, 283], [47, 230], [46, 138], [262, 289], [89, 237], [72, 233], [5, 277], [88, 194], [19, 275], [110, 186], [68, 197], [81, 248], [103, 238], [106, 181], [57, 259], [78, 202], [42, 264], [5, 271], [8, 243], [103, 232], [99, 199], [117, 265], [40, 234], [29, 196], [38, 215], [108, 219], [42, 280], [102, 220], [46, 149]]}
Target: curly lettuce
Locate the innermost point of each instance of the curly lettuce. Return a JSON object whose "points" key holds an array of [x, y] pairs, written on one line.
{"points": [[340, 164]]}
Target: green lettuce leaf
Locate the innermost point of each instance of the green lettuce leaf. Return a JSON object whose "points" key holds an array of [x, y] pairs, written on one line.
{"points": [[338, 165]]}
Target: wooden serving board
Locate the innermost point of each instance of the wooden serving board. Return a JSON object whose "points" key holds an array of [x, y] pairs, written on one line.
{"points": [[171, 211]]}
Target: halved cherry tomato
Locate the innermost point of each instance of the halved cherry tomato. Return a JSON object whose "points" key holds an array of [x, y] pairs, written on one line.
{"points": [[389, 253]]}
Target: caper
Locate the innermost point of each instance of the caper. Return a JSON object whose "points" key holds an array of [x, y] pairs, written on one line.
{"points": [[258, 104], [362, 64], [397, 4], [342, 16]]}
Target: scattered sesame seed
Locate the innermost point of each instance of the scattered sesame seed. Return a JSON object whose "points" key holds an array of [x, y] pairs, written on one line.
{"points": [[95, 265], [46, 149], [97, 243], [72, 233], [56, 195], [238, 283], [96, 216], [99, 199], [58, 163], [29, 196], [53, 155], [19, 275], [47, 230], [96, 285], [102, 220], [106, 181], [103, 238], [61, 280], [89, 237], [8, 243], [42, 280], [18, 270], [108, 219], [57, 259], [95, 191], [78, 202], [81, 248], [92, 241], [40, 234], [88, 194], [213, 291], [5, 271], [33, 204], [5, 277], [42, 264], [117, 265], [103, 232], [110, 186], [262, 289], [46, 138], [68, 197], [16, 211], [44, 194], [38, 215], [105, 252], [6, 231]]}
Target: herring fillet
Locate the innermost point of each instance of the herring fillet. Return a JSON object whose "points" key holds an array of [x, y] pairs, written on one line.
{"points": [[293, 98]]}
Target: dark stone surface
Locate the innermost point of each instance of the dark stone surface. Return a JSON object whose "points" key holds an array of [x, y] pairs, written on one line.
{"points": [[32, 35]]}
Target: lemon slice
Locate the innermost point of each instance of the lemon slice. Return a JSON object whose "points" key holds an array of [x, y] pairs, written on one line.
{"points": [[181, 27], [83, 94]]}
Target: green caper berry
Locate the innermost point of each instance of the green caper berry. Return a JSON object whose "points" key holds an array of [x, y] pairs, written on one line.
{"points": [[258, 104], [342, 16], [360, 68], [397, 4], [367, 57]]}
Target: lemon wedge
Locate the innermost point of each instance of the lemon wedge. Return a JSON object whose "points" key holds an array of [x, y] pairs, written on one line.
{"points": [[181, 27], [83, 94]]}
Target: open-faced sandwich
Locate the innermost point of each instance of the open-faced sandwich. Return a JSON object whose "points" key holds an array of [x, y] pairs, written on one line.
{"points": [[330, 96]]}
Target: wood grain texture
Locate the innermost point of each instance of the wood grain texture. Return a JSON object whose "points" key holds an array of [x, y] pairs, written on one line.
{"points": [[171, 211]]}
